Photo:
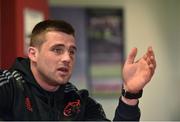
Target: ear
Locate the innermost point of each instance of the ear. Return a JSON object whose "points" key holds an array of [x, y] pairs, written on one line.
{"points": [[33, 53]]}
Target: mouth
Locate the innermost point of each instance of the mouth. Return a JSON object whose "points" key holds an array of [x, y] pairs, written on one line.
{"points": [[63, 70]]}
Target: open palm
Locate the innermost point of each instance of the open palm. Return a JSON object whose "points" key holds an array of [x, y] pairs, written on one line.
{"points": [[137, 74]]}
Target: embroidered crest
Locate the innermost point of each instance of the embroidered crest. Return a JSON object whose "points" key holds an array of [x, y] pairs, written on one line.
{"points": [[72, 108], [28, 104]]}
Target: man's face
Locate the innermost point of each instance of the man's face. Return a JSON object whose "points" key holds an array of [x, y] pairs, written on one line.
{"points": [[55, 58]]}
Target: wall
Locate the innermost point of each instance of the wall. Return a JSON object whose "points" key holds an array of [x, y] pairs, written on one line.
{"points": [[155, 23], [0, 29], [12, 29], [8, 31]]}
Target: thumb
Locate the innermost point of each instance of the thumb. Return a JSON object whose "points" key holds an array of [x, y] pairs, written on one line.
{"points": [[131, 56]]}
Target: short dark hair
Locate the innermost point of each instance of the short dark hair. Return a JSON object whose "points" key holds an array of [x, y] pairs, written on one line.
{"points": [[49, 25]]}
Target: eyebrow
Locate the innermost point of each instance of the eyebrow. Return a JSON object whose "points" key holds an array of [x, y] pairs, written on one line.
{"points": [[62, 45]]}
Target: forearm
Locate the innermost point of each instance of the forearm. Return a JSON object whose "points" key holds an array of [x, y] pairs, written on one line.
{"points": [[127, 110]]}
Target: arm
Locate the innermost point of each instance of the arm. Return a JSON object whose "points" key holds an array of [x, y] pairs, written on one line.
{"points": [[135, 75], [125, 112], [94, 111], [5, 93]]}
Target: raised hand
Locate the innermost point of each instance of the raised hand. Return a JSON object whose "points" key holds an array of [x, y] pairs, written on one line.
{"points": [[137, 74]]}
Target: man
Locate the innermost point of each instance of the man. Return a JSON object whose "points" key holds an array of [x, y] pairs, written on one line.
{"points": [[38, 87]]}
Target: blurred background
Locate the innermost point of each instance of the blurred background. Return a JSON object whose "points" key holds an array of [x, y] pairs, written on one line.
{"points": [[106, 30]]}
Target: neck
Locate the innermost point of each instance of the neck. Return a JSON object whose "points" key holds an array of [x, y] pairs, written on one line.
{"points": [[43, 84]]}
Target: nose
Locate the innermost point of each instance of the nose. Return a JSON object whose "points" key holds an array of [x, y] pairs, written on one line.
{"points": [[66, 58]]}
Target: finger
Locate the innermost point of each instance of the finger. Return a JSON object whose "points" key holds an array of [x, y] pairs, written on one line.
{"points": [[145, 57], [152, 68], [149, 48], [148, 61], [153, 61], [150, 54], [131, 56]]}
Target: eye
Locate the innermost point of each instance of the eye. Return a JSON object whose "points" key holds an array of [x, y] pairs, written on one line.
{"points": [[72, 52], [58, 50]]}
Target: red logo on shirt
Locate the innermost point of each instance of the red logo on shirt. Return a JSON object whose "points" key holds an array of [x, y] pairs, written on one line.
{"points": [[72, 108], [28, 104]]}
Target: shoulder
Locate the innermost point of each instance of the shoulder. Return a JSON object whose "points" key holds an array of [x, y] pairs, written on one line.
{"points": [[69, 87], [82, 93], [93, 110], [5, 77], [8, 77], [71, 90]]}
